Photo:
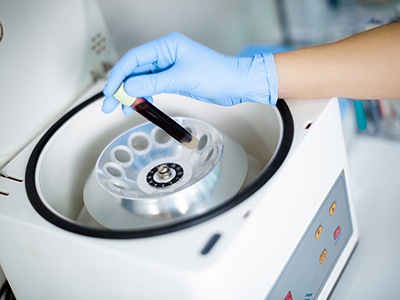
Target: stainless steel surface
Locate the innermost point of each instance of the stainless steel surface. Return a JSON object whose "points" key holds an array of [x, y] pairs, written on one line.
{"points": [[145, 179]]}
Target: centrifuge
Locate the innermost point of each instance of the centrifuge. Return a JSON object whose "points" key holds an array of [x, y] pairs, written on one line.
{"points": [[96, 206]]}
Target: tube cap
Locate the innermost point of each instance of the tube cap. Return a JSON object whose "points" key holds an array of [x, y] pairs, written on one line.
{"points": [[123, 97]]}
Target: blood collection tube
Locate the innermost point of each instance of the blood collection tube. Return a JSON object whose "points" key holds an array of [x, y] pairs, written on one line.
{"points": [[158, 117]]}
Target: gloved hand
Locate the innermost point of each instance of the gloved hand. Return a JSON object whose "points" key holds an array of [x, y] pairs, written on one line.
{"points": [[176, 64]]}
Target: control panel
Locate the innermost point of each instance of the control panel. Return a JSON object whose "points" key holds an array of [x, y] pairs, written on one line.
{"points": [[319, 249]]}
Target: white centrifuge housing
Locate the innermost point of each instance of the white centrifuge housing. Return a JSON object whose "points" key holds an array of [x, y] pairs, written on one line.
{"points": [[260, 210]]}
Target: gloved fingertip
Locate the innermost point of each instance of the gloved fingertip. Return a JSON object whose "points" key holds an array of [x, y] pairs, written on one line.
{"points": [[142, 86], [127, 110], [114, 81], [107, 91], [132, 86], [109, 105]]}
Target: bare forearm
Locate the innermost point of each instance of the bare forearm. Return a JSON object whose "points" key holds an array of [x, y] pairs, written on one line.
{"points": [[364, 66]]}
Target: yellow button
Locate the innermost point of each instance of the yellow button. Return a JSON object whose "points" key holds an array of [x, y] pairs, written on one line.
{"points": [[318, 232], [322, 256], [332, 209]]}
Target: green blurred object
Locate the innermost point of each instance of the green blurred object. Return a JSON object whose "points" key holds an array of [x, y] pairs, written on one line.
{"points": [[361, 116]]}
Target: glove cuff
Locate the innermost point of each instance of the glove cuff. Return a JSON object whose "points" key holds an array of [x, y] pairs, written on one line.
{"points": [[272, 77]]}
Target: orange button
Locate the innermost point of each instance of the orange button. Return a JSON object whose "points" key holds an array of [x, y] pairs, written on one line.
{"points": [[318, 232], [322, 256], [332, 209]]}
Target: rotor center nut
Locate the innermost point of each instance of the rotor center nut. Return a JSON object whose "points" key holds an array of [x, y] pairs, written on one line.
{"points": [[163, 171]]}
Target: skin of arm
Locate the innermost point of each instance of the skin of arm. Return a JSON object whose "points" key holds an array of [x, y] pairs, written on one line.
{"points": [[363, 66]]}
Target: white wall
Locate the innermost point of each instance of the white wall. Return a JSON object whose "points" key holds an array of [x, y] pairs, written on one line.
{"points": [[224, 25]]}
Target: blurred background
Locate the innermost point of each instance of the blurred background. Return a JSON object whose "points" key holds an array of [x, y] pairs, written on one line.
{"points": [[227, 25]]}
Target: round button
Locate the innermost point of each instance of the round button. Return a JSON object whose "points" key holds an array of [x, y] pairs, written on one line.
{"points": [[323, 256], [332, 209], [318, 232]]}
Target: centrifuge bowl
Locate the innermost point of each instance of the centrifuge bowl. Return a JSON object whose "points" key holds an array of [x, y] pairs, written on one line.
{"points": [[63, 161], [145, 179]]}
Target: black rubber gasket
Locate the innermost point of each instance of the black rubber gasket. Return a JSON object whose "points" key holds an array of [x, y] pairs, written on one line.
{"points": [[72, 226]]}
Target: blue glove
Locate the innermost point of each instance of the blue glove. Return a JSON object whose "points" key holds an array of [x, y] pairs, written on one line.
{"points": [[176, 64]]}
